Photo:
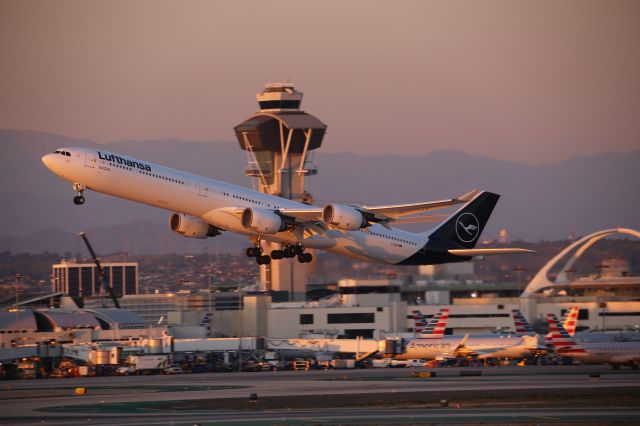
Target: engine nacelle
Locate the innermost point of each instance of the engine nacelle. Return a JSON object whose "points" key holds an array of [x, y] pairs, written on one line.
{"points": [[263, 221], [344, 217], [191, 227]]}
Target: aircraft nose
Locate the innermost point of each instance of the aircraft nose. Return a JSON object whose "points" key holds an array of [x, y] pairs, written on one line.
{"points": [[46, 159], [52, 163]]}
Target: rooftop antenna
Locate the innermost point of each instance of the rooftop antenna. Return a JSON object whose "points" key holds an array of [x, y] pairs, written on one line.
{"points": [[105, 285]]}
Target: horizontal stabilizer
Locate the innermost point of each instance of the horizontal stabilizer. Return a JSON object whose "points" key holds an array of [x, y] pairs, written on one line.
{"points": [[488, 251]]}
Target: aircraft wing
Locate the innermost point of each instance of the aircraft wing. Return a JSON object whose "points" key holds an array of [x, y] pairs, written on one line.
{"points": [[400, 210], [311, 214], [461, 345], [391, 212], [485, 352], [488, 251], [625, 359]]}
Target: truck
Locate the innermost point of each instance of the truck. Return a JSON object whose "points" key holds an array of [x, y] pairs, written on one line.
{"points": [[339, 364], [144, 364]]}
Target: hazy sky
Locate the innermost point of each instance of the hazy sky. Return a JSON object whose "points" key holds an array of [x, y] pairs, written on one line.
{"points": [[520, 80]]}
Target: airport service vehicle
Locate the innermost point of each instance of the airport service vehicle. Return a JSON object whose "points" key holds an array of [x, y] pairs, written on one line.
{"points": [[173, 370], [205, 207], [125, 370], [381, 363], [141, 364], [614, 353], [415, 363]]}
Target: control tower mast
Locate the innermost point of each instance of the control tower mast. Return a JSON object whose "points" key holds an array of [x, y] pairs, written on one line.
{"points": [[279, 141]]}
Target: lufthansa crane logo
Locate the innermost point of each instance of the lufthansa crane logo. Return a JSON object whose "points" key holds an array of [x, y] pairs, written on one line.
{"points": [[467, 227]]}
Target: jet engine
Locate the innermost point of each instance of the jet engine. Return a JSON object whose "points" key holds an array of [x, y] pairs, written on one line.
{"points": [[192, 227], [263, 221], [344, 217]]}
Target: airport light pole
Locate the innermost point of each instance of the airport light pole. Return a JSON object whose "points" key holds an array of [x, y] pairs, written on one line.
{"points": [[209, 282], [240, 310], [17, 300]]}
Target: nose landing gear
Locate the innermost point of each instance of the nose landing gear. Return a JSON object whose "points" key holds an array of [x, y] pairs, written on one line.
{"points": [[78, 200]]}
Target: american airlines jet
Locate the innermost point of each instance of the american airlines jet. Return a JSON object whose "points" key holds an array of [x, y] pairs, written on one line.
{"points": [[432, 329], [614, 353], [202, 207]]}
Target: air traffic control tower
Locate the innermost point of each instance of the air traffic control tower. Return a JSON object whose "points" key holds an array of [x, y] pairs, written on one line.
{"points": [[279, 141]]}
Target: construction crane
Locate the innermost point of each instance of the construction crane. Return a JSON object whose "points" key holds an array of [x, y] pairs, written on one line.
{"points": [[105, 284]]}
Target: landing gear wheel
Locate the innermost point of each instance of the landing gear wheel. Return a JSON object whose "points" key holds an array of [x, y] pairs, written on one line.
{"points": [[297, 249], [277, 254], [305, 257], [253, 252], [78, 200], [289, 252], [263, 260]]}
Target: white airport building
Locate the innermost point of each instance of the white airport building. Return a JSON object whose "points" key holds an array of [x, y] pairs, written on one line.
{"points": [[355, 319]]}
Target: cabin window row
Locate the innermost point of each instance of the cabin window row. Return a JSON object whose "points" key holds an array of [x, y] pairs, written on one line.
{"points": [[147, 173], [401, 240]]}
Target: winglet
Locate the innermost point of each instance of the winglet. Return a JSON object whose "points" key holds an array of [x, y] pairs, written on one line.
{"points": [[462, 343], [465, 198]]}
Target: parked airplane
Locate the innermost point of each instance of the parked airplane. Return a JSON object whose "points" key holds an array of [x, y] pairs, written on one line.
{"points": [[419, 321], [569, 322], [479, 347], [204, 207], [521, 325], [614, 353], [434, 328]]}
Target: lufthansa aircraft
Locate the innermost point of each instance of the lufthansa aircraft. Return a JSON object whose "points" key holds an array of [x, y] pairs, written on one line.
{"points": [[204, 207]]}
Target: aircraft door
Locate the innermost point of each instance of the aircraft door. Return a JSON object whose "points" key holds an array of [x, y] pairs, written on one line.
{"points": [[203, 189], [90, 159]]}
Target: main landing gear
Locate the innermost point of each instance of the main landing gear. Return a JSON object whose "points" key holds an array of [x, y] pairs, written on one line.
{"points": [[287, 252], [256, 252], [78, 200]]}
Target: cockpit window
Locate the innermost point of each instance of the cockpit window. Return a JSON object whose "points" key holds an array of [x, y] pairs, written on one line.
{"points": [[67, 154]]}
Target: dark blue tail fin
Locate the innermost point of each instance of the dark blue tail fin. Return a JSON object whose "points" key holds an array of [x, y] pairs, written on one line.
{"points": [[463, 228]]}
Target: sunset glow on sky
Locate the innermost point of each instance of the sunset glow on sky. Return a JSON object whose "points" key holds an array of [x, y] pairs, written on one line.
{"points": [[531, 81]]}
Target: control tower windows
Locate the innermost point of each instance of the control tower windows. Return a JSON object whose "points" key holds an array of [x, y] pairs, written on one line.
{"points": [[280, 104]]}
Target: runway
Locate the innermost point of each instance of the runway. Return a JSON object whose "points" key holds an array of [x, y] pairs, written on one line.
{"points": [[373, 396]]}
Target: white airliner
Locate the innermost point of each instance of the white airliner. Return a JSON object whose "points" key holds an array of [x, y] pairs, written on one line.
{"points": [[478, 347], [614, 353], [433, 344], [204, 207]]}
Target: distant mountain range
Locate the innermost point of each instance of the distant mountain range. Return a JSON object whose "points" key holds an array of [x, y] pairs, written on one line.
{"points": [[539, 201]]}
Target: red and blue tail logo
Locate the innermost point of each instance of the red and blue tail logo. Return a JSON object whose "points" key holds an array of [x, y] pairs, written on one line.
{"points": [[561, 341], [522, 326], [570, 321], [435, 327]]}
